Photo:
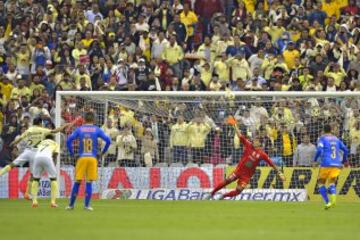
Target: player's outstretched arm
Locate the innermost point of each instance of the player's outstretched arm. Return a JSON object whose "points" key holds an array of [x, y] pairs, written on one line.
{"points": [[61, 128], [232, 122], [16, 141], [279, 173], [19, 139]]}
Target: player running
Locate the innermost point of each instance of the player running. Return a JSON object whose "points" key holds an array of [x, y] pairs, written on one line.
{"points": [[48, 150], [33, 136], [246, 167], [86, 165], [328, 149]]}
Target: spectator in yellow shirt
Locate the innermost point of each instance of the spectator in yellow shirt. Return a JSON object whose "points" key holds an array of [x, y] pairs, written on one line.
{"points": [[305, 78], [179, 140], [290, 55], [78, 52], [21, 91], [6, 88], [335, 71], [82, 74], [36, 84], [355, 136], [249, 5], [332, 8], [189, 19], [275, 31], [240, 67], [88, 39], [197, 133], [222, 69], [206, 74], [173, 54]]}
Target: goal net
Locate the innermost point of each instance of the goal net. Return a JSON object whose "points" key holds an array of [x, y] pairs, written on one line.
{"points": [[177, 145]]}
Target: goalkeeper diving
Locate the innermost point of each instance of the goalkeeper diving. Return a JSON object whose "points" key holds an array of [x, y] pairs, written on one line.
{"points": [[246, 167]]}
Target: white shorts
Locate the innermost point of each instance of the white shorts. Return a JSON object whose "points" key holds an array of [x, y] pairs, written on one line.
{"points": [[27, 155], [44, 163]]}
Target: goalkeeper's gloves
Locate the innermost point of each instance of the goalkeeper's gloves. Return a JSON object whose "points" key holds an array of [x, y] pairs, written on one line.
{"points": [[281, 175], [231, 121]]}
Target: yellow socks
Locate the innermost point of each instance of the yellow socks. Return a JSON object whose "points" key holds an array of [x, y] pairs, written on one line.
{"points": [[54, 191], [28, 188], [332, 199], [4, 170], [34, 191]]}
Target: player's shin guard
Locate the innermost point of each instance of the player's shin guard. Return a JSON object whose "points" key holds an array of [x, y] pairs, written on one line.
{"points": [[332, 191], [54, 191], [34, 190], [323, 192], [88, 194], [74, 193], [5, 169]]}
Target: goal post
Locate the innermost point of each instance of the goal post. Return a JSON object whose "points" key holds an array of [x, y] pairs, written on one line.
{"points": [[152, 148]]}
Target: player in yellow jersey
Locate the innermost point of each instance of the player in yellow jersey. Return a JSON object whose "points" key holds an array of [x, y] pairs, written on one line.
{"points": [[48, 150], [33, 136]]}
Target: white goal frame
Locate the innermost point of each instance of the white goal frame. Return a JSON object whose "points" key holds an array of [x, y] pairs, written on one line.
{"points": [[60, 94]]}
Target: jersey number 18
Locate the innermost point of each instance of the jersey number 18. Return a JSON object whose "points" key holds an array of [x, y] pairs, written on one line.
{"points": [[87, 142]]}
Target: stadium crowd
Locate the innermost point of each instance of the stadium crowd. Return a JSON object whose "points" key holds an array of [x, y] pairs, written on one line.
{"points": [[197, 45]]}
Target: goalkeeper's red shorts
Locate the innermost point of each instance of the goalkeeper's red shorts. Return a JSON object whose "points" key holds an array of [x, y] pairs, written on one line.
{"points": [[243, 176]]}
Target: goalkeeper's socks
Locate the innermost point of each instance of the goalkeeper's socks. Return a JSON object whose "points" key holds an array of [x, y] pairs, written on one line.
{"points": [[323, 192], [5, 169], [34, 191], [74, 193], [218, 187], [88, 194], [332, 191], [232, 193], [54, 191]]}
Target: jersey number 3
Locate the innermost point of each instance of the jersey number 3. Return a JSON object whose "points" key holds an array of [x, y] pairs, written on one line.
{"points": [[333, 152], [87, 142]]}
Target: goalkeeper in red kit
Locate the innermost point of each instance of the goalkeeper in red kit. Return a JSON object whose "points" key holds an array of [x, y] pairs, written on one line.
{"points": [[246, 167]]}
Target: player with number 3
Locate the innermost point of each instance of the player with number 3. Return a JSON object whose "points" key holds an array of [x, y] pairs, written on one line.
{"points": [[329, 147]]}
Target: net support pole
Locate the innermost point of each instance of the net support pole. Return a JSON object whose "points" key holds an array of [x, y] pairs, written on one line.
{"points": [[101, 187], [58, 135]]}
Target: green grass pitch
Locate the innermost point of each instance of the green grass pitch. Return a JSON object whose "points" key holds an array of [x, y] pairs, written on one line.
{"points": [[116, 219]]}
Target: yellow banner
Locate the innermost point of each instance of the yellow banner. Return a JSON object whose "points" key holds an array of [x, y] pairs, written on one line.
{"points": [[348, 184]]}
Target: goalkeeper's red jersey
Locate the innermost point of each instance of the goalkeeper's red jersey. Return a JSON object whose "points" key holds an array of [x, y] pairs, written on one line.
{"points": [[251, 158]]}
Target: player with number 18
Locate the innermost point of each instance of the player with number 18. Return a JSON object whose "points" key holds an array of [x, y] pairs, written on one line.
{"points": [[86, 165]]}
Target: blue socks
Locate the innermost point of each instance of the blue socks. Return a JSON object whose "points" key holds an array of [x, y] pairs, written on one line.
{"points": [[323, 192], [74, 193], [88, 193]]}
